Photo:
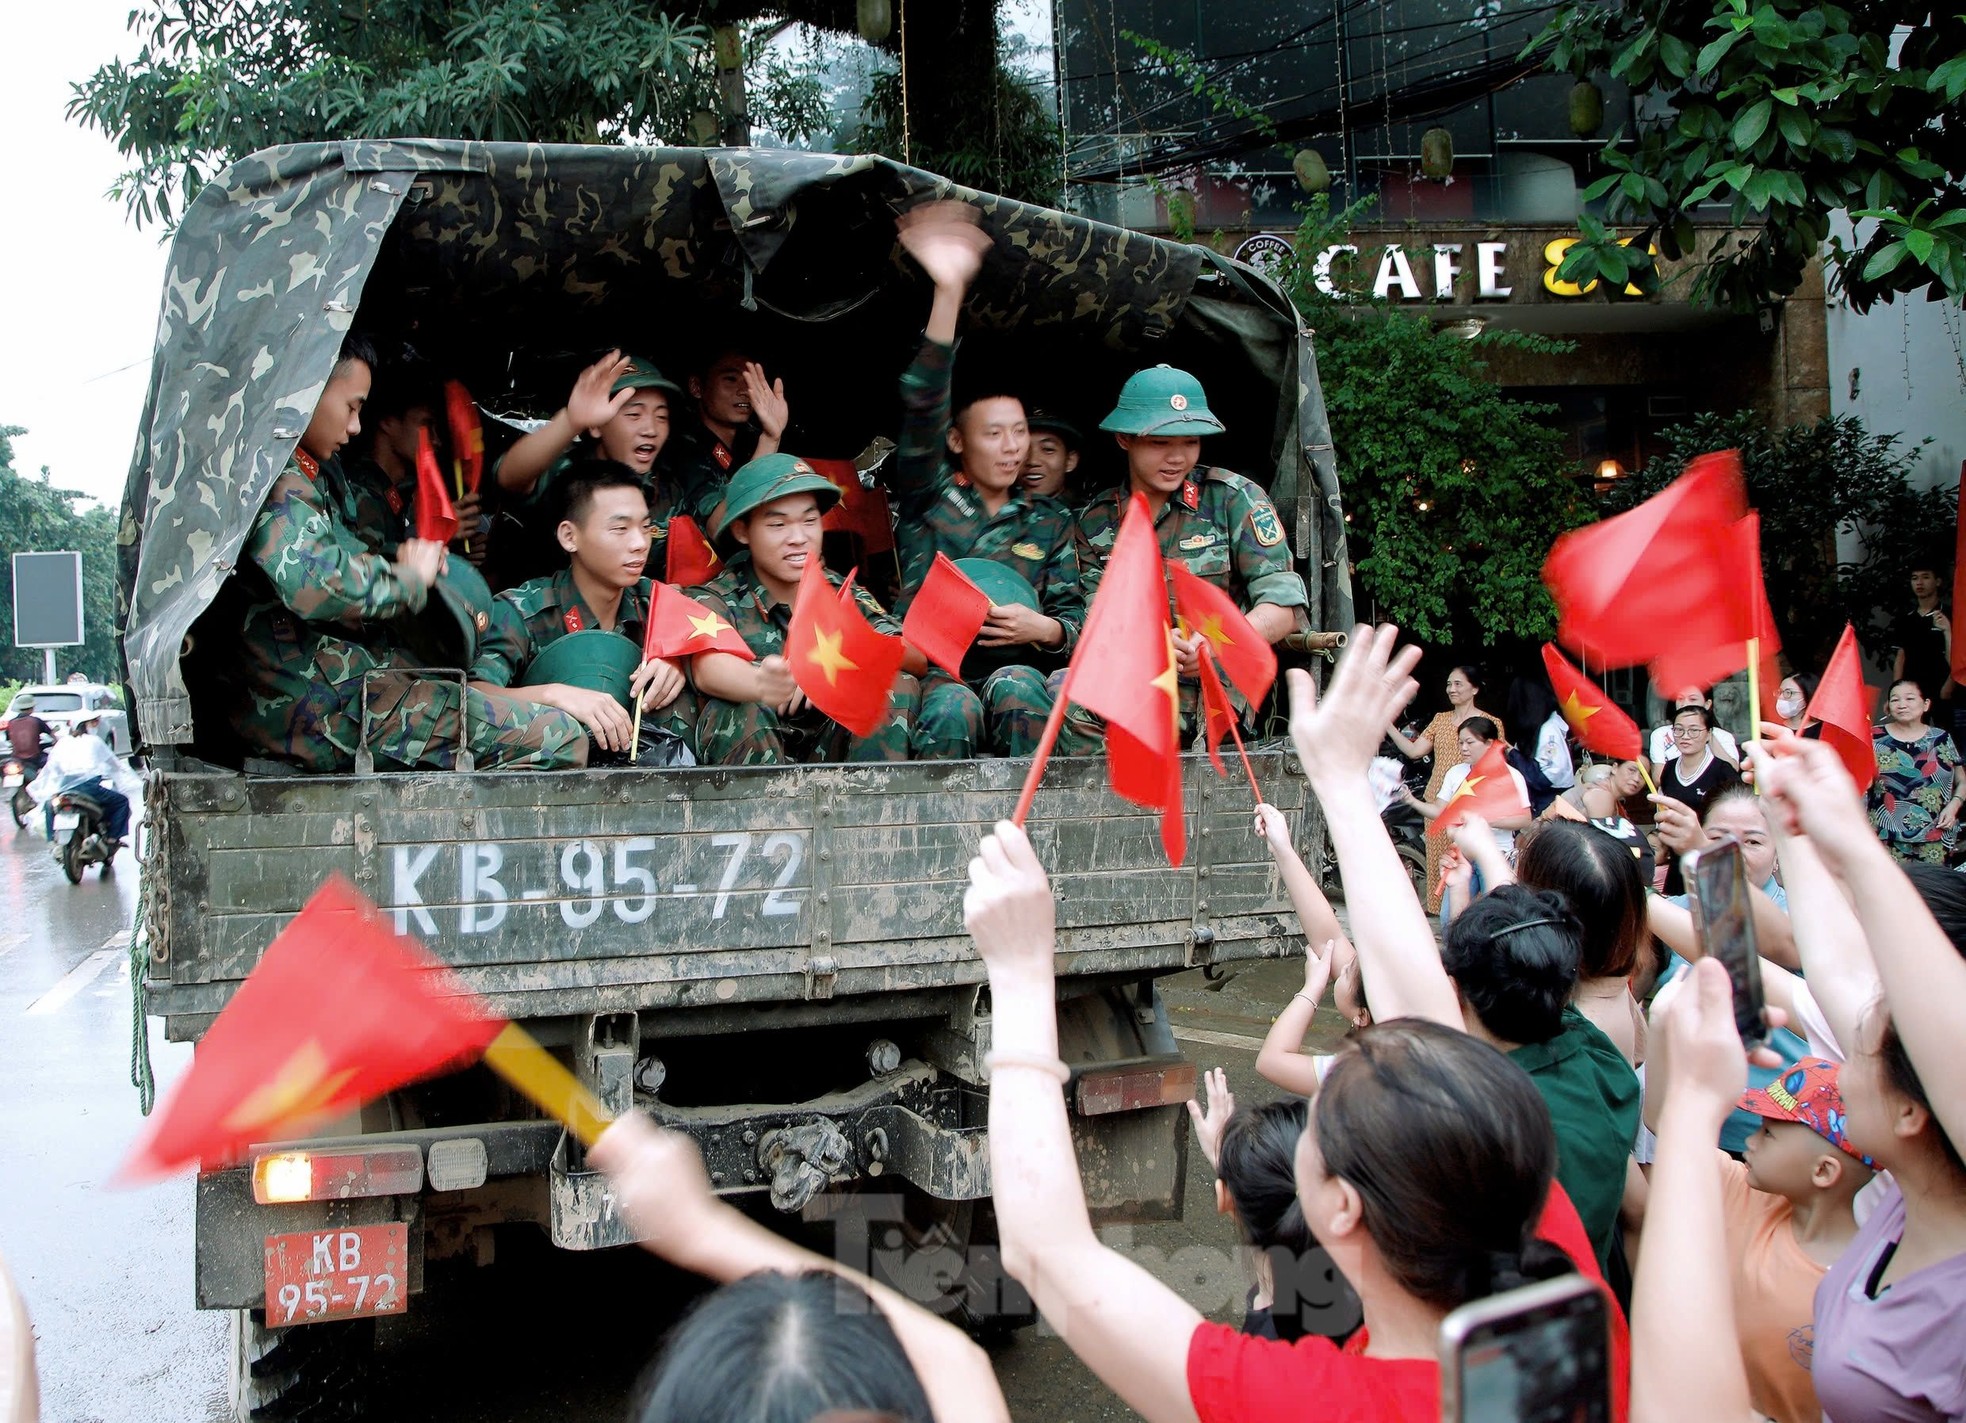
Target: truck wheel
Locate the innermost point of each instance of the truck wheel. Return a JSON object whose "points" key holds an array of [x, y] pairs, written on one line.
{"points": [[1415, 858], [313, 1373], [944, 1255]]}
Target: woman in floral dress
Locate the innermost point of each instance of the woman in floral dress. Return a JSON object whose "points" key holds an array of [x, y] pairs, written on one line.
{"points": [[1920, 784]]}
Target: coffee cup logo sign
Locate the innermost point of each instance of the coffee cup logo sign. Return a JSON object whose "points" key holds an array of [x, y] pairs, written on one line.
{"points": [[1419, 272]]}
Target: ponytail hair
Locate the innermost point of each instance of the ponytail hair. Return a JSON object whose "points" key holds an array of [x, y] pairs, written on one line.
{"points": [[1451, 1151], [1257, 1166]]}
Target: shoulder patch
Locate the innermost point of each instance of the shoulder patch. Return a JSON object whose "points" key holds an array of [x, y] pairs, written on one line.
{"points": [[1027, 550], [1264, 524]]}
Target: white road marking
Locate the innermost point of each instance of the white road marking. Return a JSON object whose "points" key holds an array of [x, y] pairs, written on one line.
{"points": [[1214, 1039], [12, 941], [77, 979]]}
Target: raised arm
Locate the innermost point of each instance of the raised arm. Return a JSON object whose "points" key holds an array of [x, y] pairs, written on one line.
{"points": [[1129, 1327], [591, 403], [1685, 1341], [1283, 1060], [1923, 975], [661, 1190], [1336, 738]]}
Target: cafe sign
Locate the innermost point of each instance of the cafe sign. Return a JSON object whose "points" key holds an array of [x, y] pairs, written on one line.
{"points": [[1522, 267]]}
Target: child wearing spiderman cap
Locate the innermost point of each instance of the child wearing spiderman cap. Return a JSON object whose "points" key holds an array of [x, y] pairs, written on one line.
{"points": [[1789, 1216]]}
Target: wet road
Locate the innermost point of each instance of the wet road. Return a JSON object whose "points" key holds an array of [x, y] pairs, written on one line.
{"points": [[539, 1336]]}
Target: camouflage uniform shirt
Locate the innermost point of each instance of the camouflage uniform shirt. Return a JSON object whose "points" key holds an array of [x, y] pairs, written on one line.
{"points": [[743, 602], [372, 505], [527, 618], [941, 513], [311, 587], [1222, 526], [696, 464]]}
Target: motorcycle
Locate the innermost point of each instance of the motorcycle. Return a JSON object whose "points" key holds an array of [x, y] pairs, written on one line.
{"points": [[14, 778], [81, 817]]}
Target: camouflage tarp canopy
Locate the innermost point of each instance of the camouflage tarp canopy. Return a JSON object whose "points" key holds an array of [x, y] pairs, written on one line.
{"points": [[510, 265]]}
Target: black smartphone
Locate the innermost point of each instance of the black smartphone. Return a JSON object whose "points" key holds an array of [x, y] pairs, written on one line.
{"points": [[1540, 1354], [1723, 916]]}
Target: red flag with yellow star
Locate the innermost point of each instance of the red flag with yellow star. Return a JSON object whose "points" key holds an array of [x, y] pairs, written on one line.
{"points": [[1246, 658], [1488, 790], [1124, 671], [840, 662], [690, 561], [340, 1010], [679, 626], [1600, 724], [467, 438], [947, 613]]}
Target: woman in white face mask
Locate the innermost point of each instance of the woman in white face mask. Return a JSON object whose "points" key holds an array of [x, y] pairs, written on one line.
{"points": [[1792, 698]]}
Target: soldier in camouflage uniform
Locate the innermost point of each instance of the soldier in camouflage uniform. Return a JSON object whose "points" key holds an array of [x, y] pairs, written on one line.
{"points": [[753, 712], [378, 468], [605, 534], [619, 409], [315, 600], [977, 510], [740, 416], [1221, 525]]}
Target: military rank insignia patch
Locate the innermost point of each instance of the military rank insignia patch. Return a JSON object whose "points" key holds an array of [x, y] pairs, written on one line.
{"points": [[1191, 495], [1263, 523]]}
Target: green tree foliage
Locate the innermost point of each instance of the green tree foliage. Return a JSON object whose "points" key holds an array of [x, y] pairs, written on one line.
{"points": [[35, 516], [1787, 111], [214, 80], [1453, 491], [1812, 484], [1003, 137]]}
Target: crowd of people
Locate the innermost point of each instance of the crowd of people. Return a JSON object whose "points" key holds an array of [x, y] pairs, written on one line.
{"points": [[340, 603], [1781, 1239]]}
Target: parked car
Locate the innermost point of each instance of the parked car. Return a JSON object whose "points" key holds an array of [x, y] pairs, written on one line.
{"points": [[59, 703]]}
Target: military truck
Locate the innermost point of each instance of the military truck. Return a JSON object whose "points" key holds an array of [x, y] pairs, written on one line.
{"points": [[770, 959]]}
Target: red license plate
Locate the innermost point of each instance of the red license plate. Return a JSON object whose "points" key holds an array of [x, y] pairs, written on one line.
{"points": [[345, 1273]]}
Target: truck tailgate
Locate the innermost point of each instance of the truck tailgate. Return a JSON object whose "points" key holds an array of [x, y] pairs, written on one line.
{"points": [[709, 889]]}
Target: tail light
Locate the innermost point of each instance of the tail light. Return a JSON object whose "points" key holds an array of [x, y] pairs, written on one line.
{"points": [[283, 1177]]}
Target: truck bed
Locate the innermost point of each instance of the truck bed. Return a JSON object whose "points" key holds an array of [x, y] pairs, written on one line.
{"points": [[725, 898]]}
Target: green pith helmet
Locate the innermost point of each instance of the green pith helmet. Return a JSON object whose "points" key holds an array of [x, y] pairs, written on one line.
{"points": [[761, 481], [642, 375], [594, 658], [1000, 583], [1162, 401], [1065, 430], [454, 618]]}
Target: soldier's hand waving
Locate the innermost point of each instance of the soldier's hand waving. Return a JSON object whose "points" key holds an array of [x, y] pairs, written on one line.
{"points": [[593, 402], [945, 240], [768, 403]]}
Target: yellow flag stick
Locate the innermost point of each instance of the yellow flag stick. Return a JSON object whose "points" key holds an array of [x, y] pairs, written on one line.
{"points": [[635, 739], [1645, 773], [1754, 689], [520, 1060]]}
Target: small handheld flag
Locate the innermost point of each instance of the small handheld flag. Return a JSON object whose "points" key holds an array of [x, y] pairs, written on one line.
{"points": [[436, 517], [844, 666]]}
